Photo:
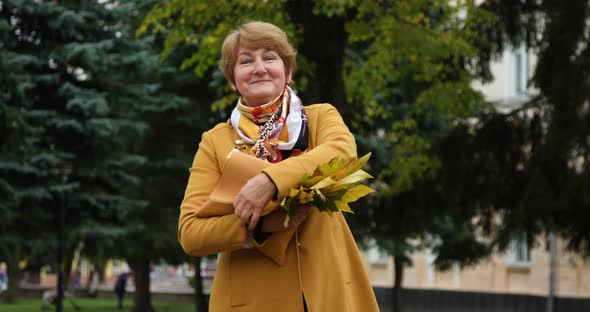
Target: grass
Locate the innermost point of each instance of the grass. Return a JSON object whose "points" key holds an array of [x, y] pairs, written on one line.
{"points": [[94, 305]]}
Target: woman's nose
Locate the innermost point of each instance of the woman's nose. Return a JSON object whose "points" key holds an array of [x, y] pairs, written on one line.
{"points": [[259, 67]]}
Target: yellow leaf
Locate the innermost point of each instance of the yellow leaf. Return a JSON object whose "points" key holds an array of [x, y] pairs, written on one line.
{"points": [[325, 182], [359, 175], [311, 181], [294, 192], [304, 197], [342, 206], [352, 166], [333, 188], [355, 177], [330, 167], [333, 183], [356, 192], [336, 168]]}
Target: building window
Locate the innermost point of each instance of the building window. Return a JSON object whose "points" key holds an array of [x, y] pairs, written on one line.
{"points": [[516, 62], [116, 266], [84, 267], [521, 69], [518, 253]]}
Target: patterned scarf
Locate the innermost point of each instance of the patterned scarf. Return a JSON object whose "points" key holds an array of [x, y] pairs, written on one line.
{"points": [[276, 129]]}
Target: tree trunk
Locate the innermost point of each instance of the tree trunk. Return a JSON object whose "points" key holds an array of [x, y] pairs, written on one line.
{"points": [[99, 267], [325, 50], [96, 277], [398, 262], [201, 303], [142, 299], [13, 272], [67, 267], [91, 284]]}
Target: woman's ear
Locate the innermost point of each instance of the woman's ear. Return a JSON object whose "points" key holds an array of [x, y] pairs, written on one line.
{"points": [[288, 75], [235, 89]]}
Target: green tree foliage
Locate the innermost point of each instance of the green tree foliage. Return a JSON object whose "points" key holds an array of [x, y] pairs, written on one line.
{"points": [[415, 83], [203, 26], [169, 145], [80, 94], [531, 164], [60, 124], [21, 164]]}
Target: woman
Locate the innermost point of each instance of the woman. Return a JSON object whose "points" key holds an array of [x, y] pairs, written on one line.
{"points": [[313, 264]]}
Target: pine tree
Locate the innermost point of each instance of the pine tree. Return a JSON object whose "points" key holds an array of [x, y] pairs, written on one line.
{"points": [[95, 123], [531, 163], [27, 188], [76, 89]]}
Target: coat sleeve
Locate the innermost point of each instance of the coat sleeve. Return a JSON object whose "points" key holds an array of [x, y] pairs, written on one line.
{"points": [[332, 139], [204, 236]]}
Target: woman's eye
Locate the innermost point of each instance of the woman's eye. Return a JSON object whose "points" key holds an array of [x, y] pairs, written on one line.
{"points": [[245, 61], [269, 58]]}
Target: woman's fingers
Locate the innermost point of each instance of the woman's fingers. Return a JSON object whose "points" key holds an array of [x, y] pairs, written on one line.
{"points": [[245, 211], [254, 220], [252, 198]]}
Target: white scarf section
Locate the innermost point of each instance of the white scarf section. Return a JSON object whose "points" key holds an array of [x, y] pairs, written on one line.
{"points": [[293, 123]]}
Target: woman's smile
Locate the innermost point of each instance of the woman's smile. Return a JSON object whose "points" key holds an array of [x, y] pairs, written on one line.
{"points": [[260, 81]]}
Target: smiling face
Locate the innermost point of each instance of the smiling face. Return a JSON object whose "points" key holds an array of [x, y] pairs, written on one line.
{"points": [[260, 75]]}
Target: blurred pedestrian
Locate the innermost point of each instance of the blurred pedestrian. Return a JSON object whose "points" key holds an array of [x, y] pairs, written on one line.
{"points": [[50, 298], [3, 279], [121, 288]]}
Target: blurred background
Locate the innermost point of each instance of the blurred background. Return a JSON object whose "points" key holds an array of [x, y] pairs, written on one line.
{"points": [[477, 114]]}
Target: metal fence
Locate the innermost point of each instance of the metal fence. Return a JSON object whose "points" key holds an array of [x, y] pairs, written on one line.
{"points": [[419, 300]]}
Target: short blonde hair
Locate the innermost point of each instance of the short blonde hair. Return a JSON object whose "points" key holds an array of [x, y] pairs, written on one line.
{"points": [[255, 35]]}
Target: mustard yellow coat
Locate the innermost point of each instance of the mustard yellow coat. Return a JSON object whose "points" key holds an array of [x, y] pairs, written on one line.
{"points": [[319, 259]]}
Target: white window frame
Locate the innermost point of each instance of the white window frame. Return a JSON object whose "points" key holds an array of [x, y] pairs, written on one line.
{"points": [[518, 254]]}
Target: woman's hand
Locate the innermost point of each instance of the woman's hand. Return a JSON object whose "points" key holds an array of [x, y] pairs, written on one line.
{"points": [[274, 221], [252, 198]]}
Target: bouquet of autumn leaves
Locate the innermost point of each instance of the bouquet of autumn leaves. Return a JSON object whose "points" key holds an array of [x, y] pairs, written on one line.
{"points": [[330, 188]]}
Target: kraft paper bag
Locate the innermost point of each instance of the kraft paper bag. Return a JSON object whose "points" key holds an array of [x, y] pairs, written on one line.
{"points": [[238, 169]]}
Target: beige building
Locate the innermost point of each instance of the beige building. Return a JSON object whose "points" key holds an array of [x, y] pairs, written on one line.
{"points": [[518, 271]]}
